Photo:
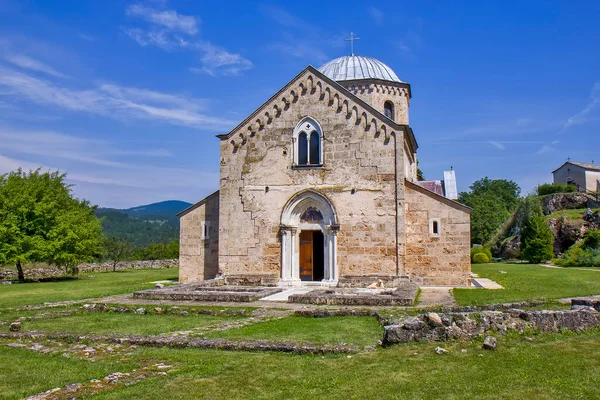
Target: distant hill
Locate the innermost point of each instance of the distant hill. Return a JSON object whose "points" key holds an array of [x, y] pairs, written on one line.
{"points": [[142, 225]]}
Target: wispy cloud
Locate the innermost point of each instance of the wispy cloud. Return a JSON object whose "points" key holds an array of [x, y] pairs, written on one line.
{"points": [[376, 14], [170, 31], [310, 44], [60, 146], [17, 58], [87, 38], [591, 112], [111, 101], [497, 145], [168, 19], [29, 63], [547, 148], [215, 59]]}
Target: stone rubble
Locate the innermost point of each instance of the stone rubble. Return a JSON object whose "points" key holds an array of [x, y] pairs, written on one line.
{"points": [[469, 325], [490, 343]]}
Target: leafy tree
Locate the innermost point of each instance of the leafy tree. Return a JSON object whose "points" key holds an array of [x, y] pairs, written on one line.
{"points": [[41, 221], [117, 250], [536, 236], [420, 176], [492, 201]]}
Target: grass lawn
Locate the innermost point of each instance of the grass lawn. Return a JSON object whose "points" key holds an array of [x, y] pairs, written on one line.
{"points": [[95, 284], [527, 282], [356, 330], [556, 367], [24, 373], [107, 322], [572, 215]]}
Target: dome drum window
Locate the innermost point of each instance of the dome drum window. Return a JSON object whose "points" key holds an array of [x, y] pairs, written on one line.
{"points": [[308, 144], [388, 110]]}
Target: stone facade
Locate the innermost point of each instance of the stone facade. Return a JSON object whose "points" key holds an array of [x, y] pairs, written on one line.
{"points": [[199, 240], [359, 189], [440, 258]]}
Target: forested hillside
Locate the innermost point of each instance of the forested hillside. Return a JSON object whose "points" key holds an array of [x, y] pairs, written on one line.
{"points": [[143, 225]]}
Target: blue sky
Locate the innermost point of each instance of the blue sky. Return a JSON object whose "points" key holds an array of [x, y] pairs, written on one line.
{"points": [[127, 96]]}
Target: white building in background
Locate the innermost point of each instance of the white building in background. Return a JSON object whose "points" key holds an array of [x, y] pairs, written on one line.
{"points": [[586, 176]]}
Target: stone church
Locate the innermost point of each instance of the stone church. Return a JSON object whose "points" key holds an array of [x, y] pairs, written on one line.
{"points": [[319, 186]]}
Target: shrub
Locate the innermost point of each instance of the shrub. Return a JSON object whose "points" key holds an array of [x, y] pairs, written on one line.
{"points": [[480, 258], [481, 250], [548, 188], [592, 239]]}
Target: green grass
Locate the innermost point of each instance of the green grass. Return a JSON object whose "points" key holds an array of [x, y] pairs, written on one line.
{"points": [[556, 367], [574, 215], [528, 282], [24, 373], [356, 330], [105, 322], [98, 284]]}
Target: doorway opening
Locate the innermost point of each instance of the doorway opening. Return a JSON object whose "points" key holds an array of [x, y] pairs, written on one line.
{"points": [[312, 256]]}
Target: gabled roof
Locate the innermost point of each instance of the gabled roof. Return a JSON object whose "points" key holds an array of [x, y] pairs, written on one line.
{"points": [[198, 204], [586, 166], [374, 112], [451, 203]]}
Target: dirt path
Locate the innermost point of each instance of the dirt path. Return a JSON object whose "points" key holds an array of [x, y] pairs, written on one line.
{"points": [[436, 296]]}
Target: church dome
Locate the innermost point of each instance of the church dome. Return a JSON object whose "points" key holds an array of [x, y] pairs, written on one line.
{"points": [[358, 67]]}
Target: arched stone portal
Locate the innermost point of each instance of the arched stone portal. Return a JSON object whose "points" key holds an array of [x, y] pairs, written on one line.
{"points": [[308, 220]]}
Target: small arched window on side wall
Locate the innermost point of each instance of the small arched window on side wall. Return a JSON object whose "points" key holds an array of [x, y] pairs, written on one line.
{"points": [[434, 227], [388, 109], [308, 144]]}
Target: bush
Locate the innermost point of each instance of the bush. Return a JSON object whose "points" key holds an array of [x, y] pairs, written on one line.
{"points": [[481, 250], [585, 253], [548, 188], [592, 239], [480, 258]]}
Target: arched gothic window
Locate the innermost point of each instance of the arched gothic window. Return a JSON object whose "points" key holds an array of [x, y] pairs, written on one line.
{"points": [[308, 143], [302, 149], [388, 110]]}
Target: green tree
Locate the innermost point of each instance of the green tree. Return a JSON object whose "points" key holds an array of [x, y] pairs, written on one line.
{"points": [[117, 250], [492, 201], [536, 236], [41, 221]]}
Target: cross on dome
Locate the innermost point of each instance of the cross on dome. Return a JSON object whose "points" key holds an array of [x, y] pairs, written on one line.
{"points": [[351, 39]]}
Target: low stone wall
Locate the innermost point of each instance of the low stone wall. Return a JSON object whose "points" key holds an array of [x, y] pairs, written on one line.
{"points": [[404, 295], [183, 342], [198, 292], [442, 327], [50, 271], [362, 281]]}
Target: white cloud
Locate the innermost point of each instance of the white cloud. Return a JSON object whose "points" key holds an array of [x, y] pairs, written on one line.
{"points": [[170, 31], [33, 65], [547, 148], [497, 145], [215, 59], [168, 19], [111, 101], [59, 146], [376, 14], [590, 112]]}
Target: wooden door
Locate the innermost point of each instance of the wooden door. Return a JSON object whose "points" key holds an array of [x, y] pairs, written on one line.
{"points": [[306, 255]]}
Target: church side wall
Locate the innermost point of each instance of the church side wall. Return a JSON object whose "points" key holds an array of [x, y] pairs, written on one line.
{"points": [[442, 259], [591, 180], [199, 256], [257, 180]]}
